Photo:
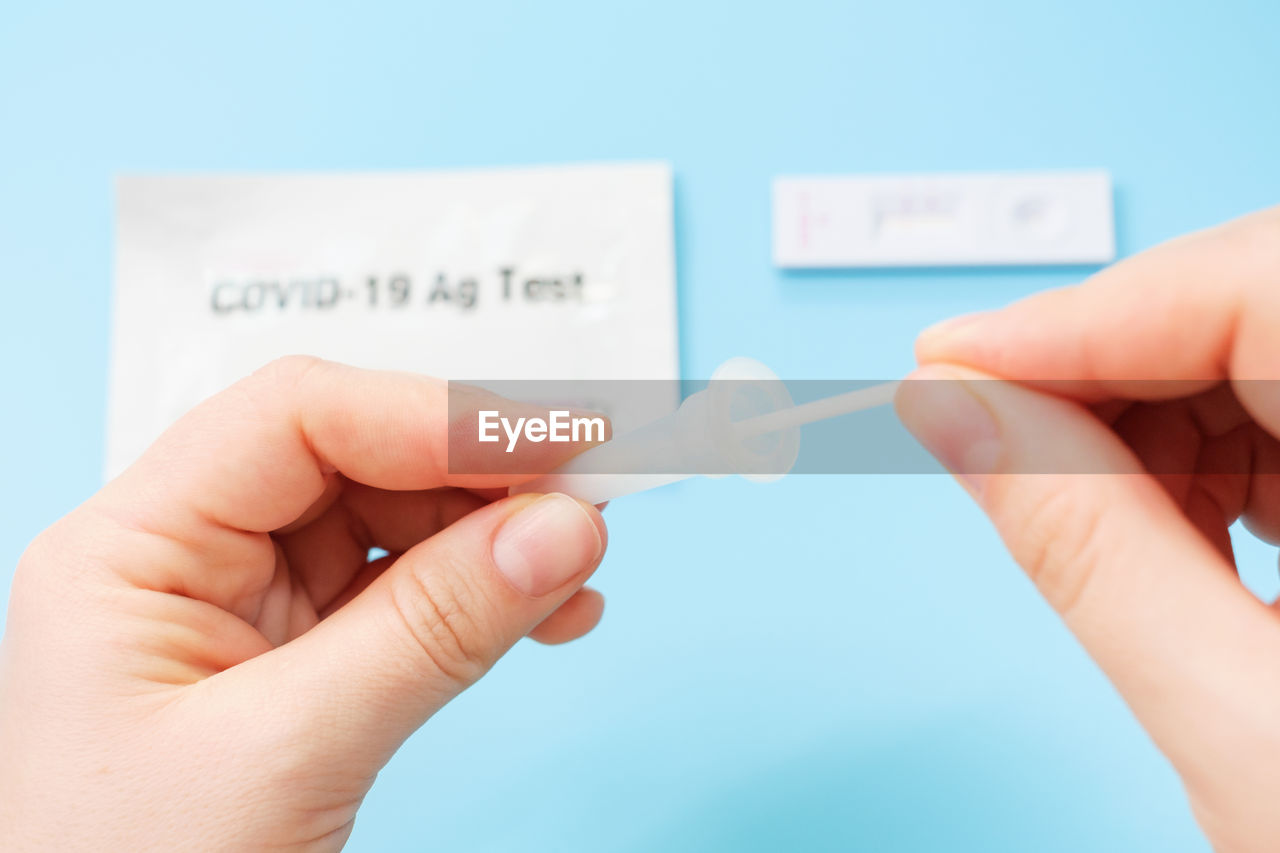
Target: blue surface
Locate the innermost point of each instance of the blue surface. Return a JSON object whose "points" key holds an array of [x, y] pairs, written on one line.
{"points": [[826, 663]]}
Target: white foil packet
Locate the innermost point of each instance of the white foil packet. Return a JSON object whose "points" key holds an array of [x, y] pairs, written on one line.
{"points": [[562, 272]]}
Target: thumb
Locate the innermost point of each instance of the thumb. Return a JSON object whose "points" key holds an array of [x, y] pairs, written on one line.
{"points": [[1150, 598], [431, 625]]}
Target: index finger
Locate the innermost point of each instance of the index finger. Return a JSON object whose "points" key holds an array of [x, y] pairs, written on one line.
{"points": [[1166, 323], [257, 455]]}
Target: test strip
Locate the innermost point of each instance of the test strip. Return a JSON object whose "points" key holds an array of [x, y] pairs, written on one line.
{"points": [[1033, 218]]}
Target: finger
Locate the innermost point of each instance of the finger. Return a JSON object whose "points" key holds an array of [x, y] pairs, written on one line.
{"points": [[328, 552], [255, 458], [1166, 323], [359, 582], [1220, 488], [334, 485], [1208, 517], [1169, 445], [571, 620], [396, 521], [1262, 507], [431, 624], [1166, 441], [1148, 596]]}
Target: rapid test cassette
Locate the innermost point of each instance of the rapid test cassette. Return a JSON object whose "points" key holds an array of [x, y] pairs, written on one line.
{"points": [[928, 220]]}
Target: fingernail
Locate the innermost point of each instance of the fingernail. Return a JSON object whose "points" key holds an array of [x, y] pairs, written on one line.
{"points": [[946, 414], [547, 543]]}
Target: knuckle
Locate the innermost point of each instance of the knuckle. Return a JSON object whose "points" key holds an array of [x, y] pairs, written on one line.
{"points": [[1055, 537], [275, 387], [437, 610], [33, 564], [52, 554], [1254, 241], [287, 371]]}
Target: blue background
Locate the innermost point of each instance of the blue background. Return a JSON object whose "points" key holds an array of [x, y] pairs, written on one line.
{"points": [[824, 663]]}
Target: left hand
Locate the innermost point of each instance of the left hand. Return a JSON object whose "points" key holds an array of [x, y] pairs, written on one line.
{"points": [[203, 656]]}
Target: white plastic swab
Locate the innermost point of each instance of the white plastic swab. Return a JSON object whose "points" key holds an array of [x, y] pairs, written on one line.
{"points": [[819, 410], [699, 436]]}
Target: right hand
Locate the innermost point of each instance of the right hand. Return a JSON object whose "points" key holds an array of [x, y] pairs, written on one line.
{"points": [[1160, 363]]}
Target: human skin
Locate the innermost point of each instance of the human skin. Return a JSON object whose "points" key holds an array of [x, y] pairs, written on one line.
{"points": [[1145, 376], [201, 656]]}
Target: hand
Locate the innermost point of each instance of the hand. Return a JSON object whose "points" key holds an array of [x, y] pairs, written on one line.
{"points": [[202, 655], [1168, 363]]}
